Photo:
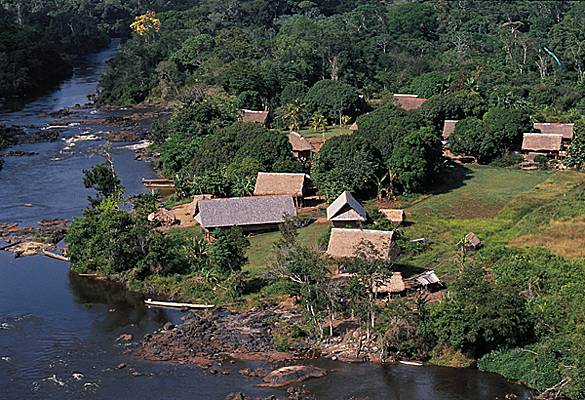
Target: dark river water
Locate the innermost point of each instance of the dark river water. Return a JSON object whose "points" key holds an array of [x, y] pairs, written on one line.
{"points": [[58, 331]]}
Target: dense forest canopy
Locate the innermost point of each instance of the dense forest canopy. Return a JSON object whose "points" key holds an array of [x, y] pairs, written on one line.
{"points": [[520, 54], [38, 38], [492, 65]]}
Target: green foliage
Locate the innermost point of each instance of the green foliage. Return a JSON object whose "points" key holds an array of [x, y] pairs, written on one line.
{"points": [[305, 274], [479, 316], [507, 125], [428, 85], [472, 138], [347, 163], [292, 93], [103, 179], [333, 99], [576, 153], [228, 250], [537, 365], [457, 106], [416, 159]]}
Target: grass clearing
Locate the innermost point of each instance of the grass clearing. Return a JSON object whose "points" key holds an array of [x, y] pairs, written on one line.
{"points": [[262, 246], [502, 206]]}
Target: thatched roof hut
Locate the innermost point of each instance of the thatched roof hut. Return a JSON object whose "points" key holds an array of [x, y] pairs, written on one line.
{"points": [[298, 143], [316, 143], [249, 213], [472, 241], [347, 243], [346, 210], [163, 217], [397, 217], [448, 128], [541, 142], [392, 286], [259, 117], [555, 128], [408, 101], [272, 183]]}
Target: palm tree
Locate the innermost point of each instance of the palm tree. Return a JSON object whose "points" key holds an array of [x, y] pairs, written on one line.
{"points": [[293, 112], [318, 123]]}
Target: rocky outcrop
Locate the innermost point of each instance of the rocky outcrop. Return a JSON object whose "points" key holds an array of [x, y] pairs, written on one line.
{"points": [[292, 374], [247, 335], [292, 393]]}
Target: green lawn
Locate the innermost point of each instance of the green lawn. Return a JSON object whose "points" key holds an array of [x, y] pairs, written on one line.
{"points": [[261, 248], [498, 204]]}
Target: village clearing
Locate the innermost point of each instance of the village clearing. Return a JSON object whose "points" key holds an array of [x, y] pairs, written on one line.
{"points": [[501, 205]]}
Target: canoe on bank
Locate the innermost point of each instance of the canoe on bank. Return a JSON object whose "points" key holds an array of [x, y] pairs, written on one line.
{"points": [[415, 363], [170, 304]]}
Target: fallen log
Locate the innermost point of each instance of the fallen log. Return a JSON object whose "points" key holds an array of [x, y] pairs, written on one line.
{"points": [[170, 304], [55, 256], [3, 248]]}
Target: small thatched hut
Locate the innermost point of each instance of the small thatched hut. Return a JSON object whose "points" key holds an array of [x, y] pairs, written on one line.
{"points": [[549, 144], [163, 217], [346, 211], [273, 183], [397, 217]]}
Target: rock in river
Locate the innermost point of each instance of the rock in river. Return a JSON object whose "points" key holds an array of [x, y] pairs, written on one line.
{"points": [[293, 374]]}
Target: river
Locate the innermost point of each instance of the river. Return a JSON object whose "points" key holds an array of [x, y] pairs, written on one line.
{"points": [[58, 331]]}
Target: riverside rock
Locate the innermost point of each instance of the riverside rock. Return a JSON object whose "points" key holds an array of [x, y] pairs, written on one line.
{"points": [[293, 374]]}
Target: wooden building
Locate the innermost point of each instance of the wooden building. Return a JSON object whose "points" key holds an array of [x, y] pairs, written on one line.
{"points": [[251, 214], [273, 183], [301, 148], [346, 211]]}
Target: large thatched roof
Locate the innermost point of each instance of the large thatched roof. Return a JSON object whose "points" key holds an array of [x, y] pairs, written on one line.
{"points": [[555, 128], [260, 117], [244, 211], [542, 142], [346, 208], [409, 101], [347, 243], [272, 183]]}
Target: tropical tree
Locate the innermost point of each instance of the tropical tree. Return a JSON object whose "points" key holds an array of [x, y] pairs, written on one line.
{"points": [[318, 123]]}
